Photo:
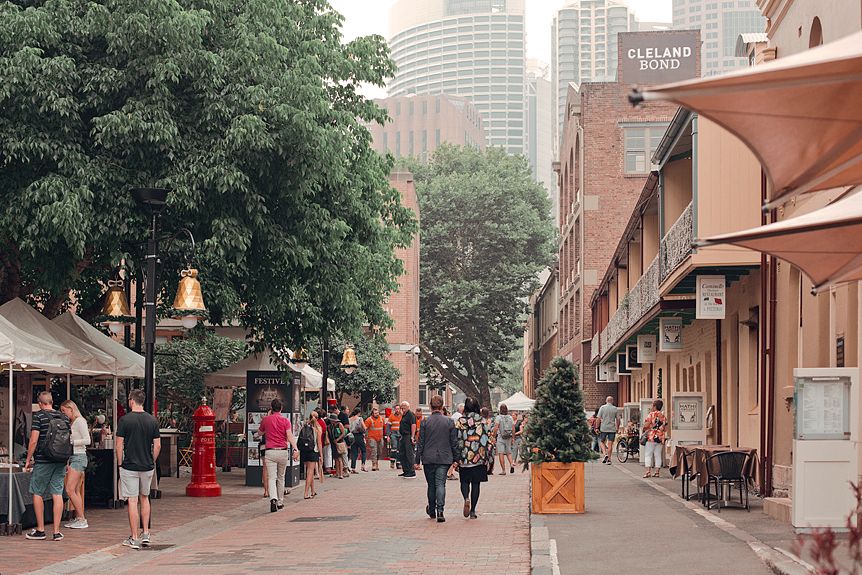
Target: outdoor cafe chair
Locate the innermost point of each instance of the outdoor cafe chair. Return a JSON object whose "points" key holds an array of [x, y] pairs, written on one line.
{"points": [[690, 474], [727, 469]]}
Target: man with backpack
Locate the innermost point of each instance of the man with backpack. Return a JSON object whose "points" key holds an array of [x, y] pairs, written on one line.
{"points": [[48, 452]]}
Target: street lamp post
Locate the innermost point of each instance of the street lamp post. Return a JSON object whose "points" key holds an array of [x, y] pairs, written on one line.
{"points": [[188, 304]]}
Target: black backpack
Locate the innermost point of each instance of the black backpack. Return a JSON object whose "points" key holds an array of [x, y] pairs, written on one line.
{"points": [[305, 441], [57, 444]]}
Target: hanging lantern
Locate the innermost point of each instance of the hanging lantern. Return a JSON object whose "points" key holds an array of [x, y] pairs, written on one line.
{"points": [[300, 358], [189, 303], [116, 307], [348, 361]]}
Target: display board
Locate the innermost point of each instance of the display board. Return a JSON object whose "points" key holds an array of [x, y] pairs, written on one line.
{"points": [[822, 407], [261, 388]]}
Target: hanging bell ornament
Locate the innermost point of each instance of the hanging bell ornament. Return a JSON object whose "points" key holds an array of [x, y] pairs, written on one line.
{"points": [[189, 303]]}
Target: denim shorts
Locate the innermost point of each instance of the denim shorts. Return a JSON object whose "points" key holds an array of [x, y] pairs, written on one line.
{"points": [[78, 462]]}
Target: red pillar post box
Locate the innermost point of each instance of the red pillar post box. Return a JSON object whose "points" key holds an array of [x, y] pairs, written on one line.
{"points": [[203, 459]]}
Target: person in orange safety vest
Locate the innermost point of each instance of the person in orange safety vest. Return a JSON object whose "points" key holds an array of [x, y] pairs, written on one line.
{"points": [[394, 423], [374, 427]]}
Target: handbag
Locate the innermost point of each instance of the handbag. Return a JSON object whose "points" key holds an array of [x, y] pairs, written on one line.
{"points": [[340, 448], [644, 438]]}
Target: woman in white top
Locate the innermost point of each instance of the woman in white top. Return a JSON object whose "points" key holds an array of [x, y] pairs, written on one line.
{"points": [[78, 462]]}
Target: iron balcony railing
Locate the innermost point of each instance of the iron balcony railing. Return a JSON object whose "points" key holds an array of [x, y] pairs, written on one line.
{"points": [[676, 245]]}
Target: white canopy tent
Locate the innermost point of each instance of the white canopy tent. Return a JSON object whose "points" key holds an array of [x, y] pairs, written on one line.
{"points": [[518, 402], [235, 375]]}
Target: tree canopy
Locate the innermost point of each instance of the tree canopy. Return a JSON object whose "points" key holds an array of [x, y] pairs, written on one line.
{"points": [[373, 380], [486, 234], [248, 110]]}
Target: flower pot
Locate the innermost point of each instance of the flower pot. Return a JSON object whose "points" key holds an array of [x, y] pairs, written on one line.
{"points": [[558, 487]]}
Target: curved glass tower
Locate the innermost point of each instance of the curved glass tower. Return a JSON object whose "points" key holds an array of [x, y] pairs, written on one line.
{"points": [[469, 48]]}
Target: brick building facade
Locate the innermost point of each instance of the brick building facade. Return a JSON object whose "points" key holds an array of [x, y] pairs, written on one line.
{"points": [[403, 305], [604, 162]]}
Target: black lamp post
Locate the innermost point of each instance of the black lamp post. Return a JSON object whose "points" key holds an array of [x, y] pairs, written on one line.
{"points": [[188, 304]]}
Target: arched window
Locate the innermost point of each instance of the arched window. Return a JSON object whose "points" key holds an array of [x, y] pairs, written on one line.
{"points": [[816, 37]]}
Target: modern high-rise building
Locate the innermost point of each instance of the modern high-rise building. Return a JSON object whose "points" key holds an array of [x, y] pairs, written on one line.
{"points": [[720, 24], [584, 47], [470, 48], [539, 139]]}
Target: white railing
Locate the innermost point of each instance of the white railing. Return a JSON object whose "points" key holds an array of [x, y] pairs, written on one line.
{"points": [[632, 308], [676, 245]]}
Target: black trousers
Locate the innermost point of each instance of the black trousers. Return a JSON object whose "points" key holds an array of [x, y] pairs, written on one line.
{"points": [[407, 456]]}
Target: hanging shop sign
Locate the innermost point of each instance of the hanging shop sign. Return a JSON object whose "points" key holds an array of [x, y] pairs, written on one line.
{"points": [[670, 331], [711, 297], [632, 362], [622, 364], [610, 369], [646, 348]]}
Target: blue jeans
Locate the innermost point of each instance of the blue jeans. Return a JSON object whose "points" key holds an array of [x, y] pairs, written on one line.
{"points": [[435, 475]]}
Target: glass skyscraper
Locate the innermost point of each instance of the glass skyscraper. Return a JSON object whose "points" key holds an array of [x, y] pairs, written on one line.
{"points": [[720, 24], [470, 48]]}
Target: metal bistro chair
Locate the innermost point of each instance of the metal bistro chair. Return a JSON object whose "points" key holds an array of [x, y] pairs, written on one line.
{"points": [[727, 469], [688, 476]]}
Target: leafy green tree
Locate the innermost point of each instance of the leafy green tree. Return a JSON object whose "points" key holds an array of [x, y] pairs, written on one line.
{"points": [[557, 429], [373, 380], [486, 234], [247, 109], [180, 368], [513, 369]]}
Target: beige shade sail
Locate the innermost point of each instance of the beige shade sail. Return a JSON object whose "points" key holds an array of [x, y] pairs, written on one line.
{"points": [[800, 115], [826, 244]]}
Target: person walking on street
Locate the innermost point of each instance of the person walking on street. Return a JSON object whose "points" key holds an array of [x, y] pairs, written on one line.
{"points": [[374, 427], [607, 417], [516, 446], [394, 423], [437, 449], [407, 427], [138, 446], [419, 418], [46, 472], [336, 433], [504, 431], [326, 461], [310, 456], [357, 428], [77, 463], [276, 428], [655, 425], [474, 438], [594, 432]]}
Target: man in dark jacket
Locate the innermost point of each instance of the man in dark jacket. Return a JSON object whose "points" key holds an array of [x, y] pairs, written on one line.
{"points": [[436, 449]]}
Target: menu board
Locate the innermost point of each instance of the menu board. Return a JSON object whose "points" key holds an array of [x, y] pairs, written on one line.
{"points": [[822, 406]]}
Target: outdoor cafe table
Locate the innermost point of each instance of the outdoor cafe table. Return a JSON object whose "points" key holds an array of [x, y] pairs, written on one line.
{"points": [[680, 459]]}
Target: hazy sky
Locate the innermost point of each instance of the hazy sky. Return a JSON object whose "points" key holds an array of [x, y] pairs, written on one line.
{"points": [[363, 17]]}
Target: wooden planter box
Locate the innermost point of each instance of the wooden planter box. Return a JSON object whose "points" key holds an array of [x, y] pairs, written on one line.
{"points": [[558, 487]]}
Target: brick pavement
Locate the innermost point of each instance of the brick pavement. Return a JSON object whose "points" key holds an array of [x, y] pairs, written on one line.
{"points": [[370, 523]]}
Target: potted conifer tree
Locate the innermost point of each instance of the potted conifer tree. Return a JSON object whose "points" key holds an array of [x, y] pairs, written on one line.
{"points": [[556, 441]]}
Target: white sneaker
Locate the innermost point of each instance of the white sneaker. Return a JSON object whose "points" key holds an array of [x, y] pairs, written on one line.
{"points": [[78, 524]]}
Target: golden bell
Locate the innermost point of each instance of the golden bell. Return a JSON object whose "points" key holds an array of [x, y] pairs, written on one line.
{"points": [[189, 297], [348, 360], [115, 305], [115, 300], [300, 358]]}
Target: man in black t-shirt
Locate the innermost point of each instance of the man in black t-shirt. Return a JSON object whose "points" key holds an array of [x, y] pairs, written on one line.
{"points": [[408, 441], [138, 446], [46, 473]]}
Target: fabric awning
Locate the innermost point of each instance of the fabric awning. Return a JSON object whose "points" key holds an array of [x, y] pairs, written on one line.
{"points": [[84, 359], [826, 244], [24, 348], [128, 363], [799, 115]]}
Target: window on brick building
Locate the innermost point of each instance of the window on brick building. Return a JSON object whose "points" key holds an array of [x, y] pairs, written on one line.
{"points": [[423, 394], [410, 143], [397, 144], [641, 143], [578, 312]]}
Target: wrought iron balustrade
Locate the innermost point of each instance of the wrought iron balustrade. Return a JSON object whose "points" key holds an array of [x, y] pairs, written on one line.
{"points": [[676, 244]]}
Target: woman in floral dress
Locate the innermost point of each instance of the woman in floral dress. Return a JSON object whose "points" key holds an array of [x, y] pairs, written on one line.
{"points": [[474, 437]]}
